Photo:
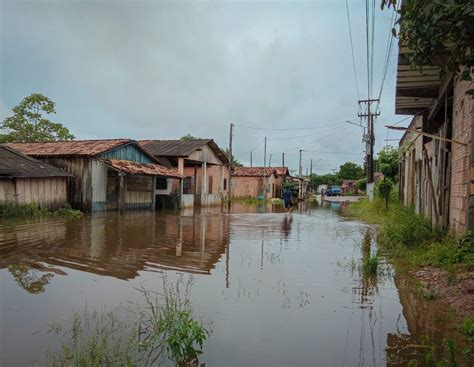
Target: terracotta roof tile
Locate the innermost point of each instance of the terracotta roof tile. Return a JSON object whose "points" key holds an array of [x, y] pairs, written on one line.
{"points": [[87, 148], [253, 171], [147, 169]]}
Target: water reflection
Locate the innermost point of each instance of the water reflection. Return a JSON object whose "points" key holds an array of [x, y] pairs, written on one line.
{"points": [[113, 245]]}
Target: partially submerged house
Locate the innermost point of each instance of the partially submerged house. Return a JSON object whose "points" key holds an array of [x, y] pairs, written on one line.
{"points": [[203, 165], [251, 182], [349, 187], [116, 174], [26, 180], [437, 163]]}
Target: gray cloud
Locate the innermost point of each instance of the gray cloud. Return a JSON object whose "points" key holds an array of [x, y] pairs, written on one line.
{"points": [[162, 69]]}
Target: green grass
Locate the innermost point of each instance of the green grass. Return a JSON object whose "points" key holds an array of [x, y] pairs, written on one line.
{"points": [[371, 266], [467, 328], [14, 210]]}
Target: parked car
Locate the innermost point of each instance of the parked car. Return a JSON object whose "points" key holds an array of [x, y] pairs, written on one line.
{"points": [[334, 191]]}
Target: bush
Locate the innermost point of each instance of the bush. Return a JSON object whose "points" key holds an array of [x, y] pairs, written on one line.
{"points": [[406, 228], [467, 327], [12, 209]]}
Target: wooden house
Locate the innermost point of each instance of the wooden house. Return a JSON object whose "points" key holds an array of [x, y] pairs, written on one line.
{"points": [[203, 165], [26, 180], [437, 164], [115, 174]]}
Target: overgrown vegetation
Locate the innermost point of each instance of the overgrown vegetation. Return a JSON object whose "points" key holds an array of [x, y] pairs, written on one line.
{"points": [[467, 328], [163, 329], [438, 33], [14, 210]]}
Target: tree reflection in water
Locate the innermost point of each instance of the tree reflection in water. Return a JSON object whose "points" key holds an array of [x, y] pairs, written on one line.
{"points": [[29, 279]]}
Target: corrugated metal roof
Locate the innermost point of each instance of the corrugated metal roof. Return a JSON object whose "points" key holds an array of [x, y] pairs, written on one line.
{"points": [[253, 171], [147, 169], [181, 148], [88, 148], [14, 164]]}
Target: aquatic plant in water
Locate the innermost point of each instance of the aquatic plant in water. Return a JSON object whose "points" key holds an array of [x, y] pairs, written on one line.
{"points": [[163, 329]]}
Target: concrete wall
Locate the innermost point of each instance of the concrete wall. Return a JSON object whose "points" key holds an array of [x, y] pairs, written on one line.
{"points": [[187, 201], [47, 192], [462, 164]]}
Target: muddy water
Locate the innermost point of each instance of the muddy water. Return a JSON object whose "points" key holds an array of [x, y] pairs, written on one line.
{"points": [[278, 289]]}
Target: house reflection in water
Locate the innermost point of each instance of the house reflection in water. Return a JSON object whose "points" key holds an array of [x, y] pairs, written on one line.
{"points": [[113, 245]]}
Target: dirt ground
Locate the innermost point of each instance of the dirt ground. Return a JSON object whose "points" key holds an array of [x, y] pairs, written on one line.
{"points": [[457, 291]]}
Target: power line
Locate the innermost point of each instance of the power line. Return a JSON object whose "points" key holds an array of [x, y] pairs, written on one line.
{"points": [[284, 129], [352, 49]]}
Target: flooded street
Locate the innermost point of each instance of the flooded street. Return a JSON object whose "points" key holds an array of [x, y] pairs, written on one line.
{"points": [[277, 289]]}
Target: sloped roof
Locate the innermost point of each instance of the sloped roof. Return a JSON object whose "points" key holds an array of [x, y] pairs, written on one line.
{"points": [[146, 169], [281, 171], [14, 164], [86, 148], [181, 148], [253, 171]]}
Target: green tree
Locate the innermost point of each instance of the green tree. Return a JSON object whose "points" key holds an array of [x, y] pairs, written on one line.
{"points": [[188, 137], [28, 124], [438, 33], [350, 171], [327, 179], [235, 162], [388, 162]]}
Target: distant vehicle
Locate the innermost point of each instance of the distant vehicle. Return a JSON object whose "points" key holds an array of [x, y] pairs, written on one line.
{"points": [[334, 191]]}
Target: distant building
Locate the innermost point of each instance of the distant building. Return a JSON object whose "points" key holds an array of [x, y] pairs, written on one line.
{"points": [[116, 174], [251, 182], [349, 187], [202, 163], [26, 180]]}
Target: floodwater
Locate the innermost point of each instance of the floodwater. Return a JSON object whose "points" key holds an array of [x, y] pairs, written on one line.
{"points": [[278, 289]]}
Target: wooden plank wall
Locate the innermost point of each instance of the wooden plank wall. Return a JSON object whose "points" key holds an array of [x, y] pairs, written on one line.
{"points": [[49, 192], [79, 187], [138, 192]]}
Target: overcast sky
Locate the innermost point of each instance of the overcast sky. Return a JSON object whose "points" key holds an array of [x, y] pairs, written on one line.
{"points": [[161, 69]]}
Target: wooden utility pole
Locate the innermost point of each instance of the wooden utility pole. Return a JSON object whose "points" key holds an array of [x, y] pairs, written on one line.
{"points": [[370, 138], [231, 132], [264, 166]]}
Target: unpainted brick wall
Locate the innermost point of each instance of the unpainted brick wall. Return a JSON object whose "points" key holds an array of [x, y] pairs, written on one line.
{"points": [[463, 120]]}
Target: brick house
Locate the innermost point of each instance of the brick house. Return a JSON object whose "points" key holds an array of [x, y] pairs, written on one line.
{"points": [[249, 182], [203, 164], [436, 174]]}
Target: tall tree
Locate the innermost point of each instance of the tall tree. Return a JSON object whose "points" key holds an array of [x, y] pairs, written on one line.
{"points": [[28, 124], [350, 171], [388, 162]]}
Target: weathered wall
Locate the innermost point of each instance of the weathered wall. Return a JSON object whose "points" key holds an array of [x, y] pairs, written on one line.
{"points": [[99, 185], [251, 187], [80, 187], [139, 192], [129, 153], [463, 122], [47, 192]]}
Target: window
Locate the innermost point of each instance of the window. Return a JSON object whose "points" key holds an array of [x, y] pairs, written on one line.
{"points": [[225, 184], [187, 185], [209, 189], [161, 183]]}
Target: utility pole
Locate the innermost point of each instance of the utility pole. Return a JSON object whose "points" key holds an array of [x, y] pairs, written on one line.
{"points": [[231, 131], [251, 159], [264, 168], [311, 175], [369, 139], [283, 159], [300, 194]]}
